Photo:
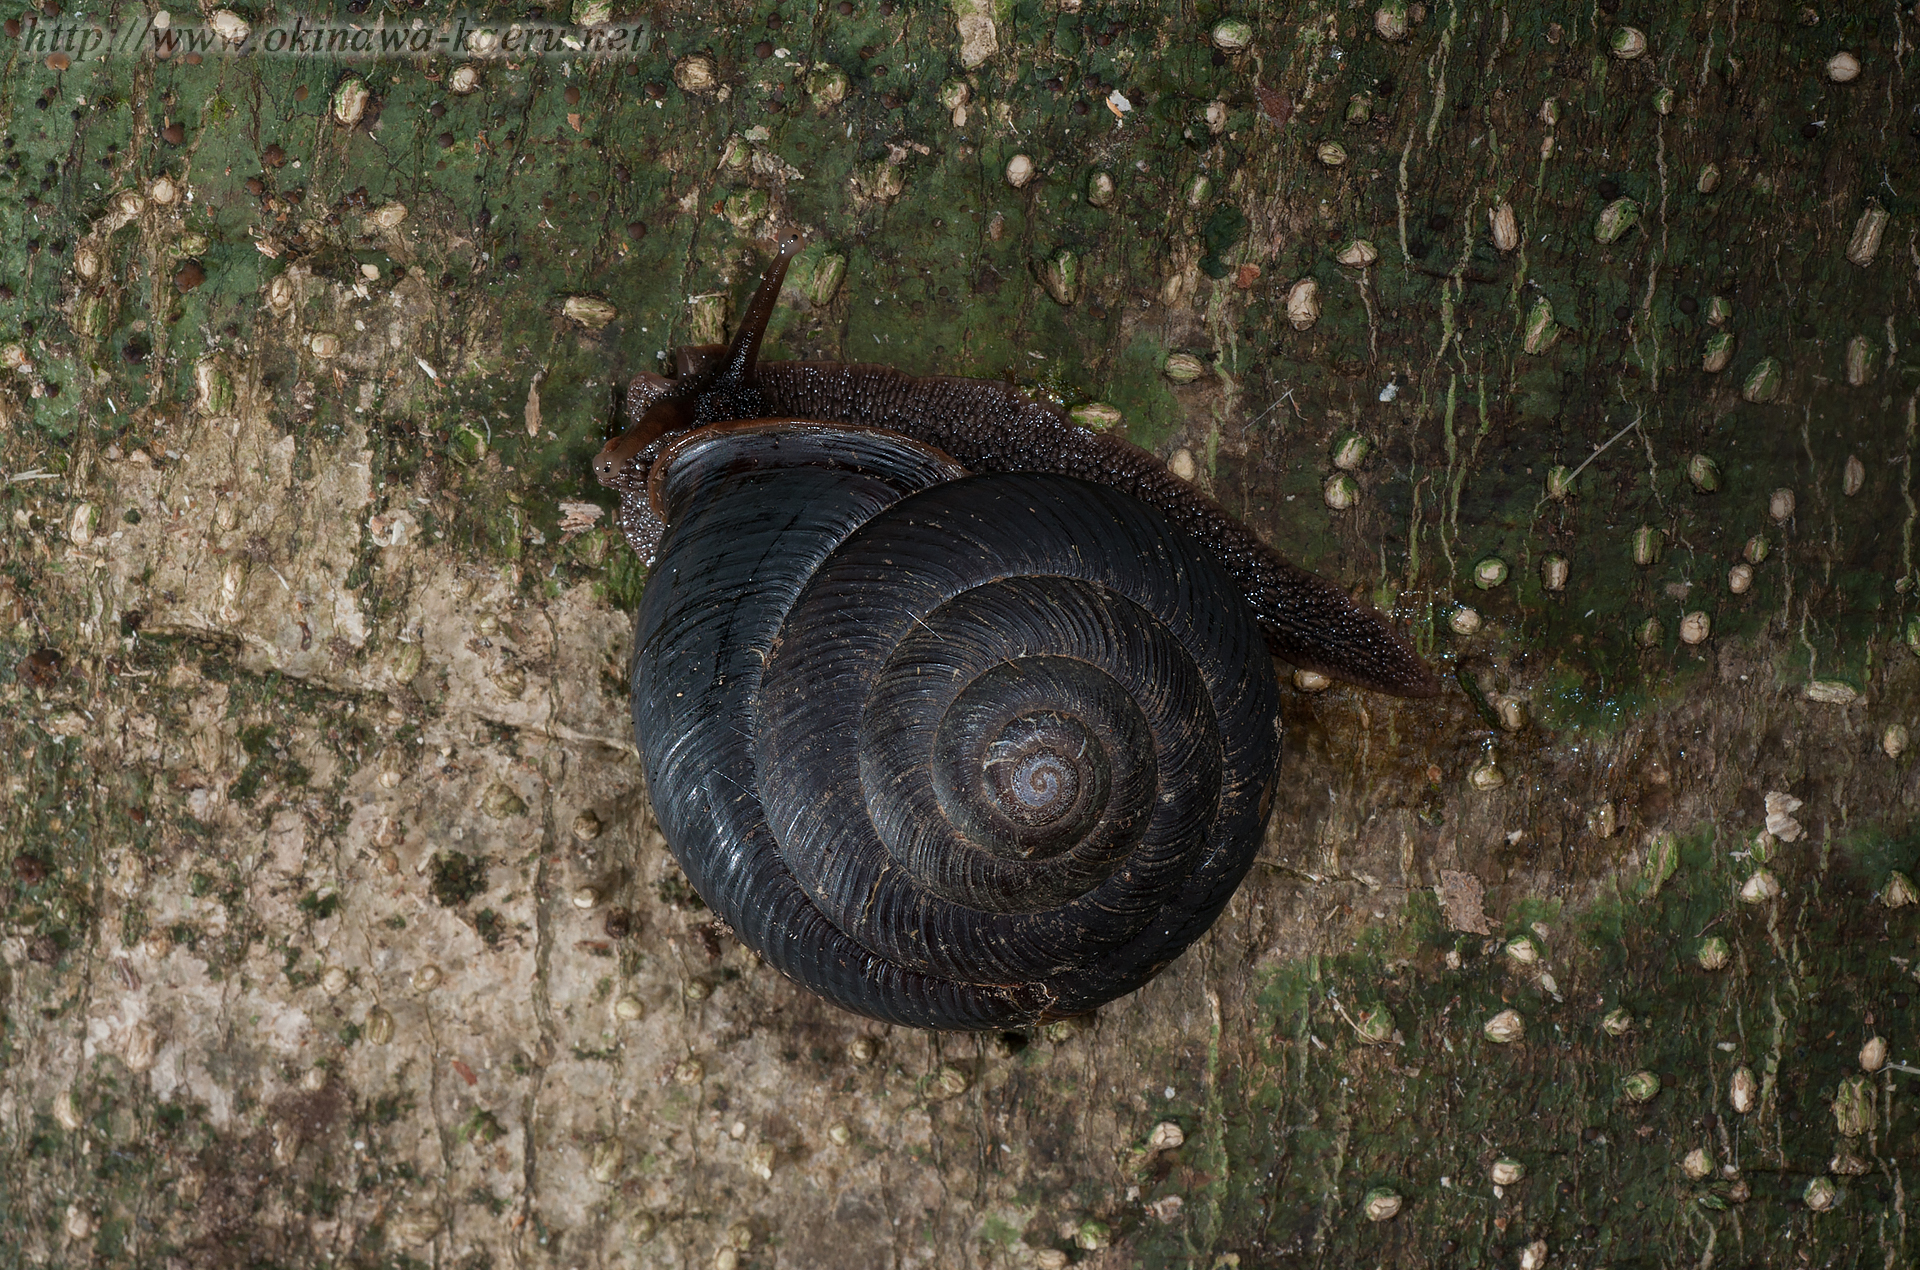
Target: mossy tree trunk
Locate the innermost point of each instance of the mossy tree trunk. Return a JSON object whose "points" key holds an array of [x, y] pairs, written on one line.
{"points": [[336, 929]]}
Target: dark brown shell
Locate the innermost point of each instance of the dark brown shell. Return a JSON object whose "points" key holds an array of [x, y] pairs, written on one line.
{"points": [[954, 751]]}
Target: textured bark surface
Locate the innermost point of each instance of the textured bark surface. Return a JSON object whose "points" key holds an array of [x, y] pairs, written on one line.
{"points": [[336, 929]]}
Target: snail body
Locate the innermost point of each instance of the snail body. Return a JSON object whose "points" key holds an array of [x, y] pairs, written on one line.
{"points": [[957, 714]]}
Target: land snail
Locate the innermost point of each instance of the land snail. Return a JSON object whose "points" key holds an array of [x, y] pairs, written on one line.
{"points": [[960, 715]]}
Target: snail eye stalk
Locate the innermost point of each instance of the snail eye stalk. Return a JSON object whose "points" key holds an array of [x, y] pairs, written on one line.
{"points": [[730, 390], [671, 413], [711, 383]]}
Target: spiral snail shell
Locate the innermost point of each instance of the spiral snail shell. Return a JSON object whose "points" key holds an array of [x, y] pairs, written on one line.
{"points": [[956, 713]]}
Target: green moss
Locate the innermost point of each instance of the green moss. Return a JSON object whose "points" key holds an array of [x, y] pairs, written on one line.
{"points": [[676, 892], [491, 927], [289, 966], [320, 905], [623, 577], [1151, 410], [456, 878], [482, 1128], [1224, 230]]}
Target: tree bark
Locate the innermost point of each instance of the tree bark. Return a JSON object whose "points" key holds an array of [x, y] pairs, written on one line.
{"points": [[336, 928]]}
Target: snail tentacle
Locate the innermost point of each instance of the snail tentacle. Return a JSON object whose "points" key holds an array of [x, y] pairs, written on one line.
{"points": [[733, 389]]}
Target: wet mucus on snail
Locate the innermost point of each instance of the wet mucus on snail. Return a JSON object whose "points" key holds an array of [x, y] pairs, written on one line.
{"points": [[959, 714]]}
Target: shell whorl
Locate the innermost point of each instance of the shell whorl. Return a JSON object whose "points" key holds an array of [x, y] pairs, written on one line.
{"points": [[955, 751]]}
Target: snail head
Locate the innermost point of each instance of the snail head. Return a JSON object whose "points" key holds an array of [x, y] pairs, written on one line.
{"points": [[711, 383]]}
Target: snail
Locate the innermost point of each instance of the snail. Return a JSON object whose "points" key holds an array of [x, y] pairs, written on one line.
{"points": [[957, 713]]}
